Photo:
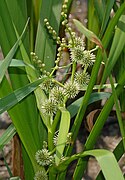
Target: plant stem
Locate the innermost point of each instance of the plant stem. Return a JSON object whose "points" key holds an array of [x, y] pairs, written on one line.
{"points": [[120, 121], [50, 140], [73, 71]]}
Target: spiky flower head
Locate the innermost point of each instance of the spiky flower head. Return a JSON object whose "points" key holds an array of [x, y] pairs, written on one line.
{"points": [[79, 42], [68, 140], [41, 175], [55, 138], [57, 95], [71, 89], [44, 158], [82, 56], [82, 78], [47, 85], [77, 53], [87, 59], [49, 107]]}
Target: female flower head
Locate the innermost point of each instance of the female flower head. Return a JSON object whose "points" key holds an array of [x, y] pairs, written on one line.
{"points": [[41, 175], [49, 107], [44, 158], [71, 89]]}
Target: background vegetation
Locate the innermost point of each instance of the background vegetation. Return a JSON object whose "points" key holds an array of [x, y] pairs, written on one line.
{"points": [[20, 78]]}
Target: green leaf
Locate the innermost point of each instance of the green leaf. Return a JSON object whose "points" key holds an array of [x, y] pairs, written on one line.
{"points": [[4, 65], [107, 162], [7, 136], [116, 48], [99, 8], [25, 116], [12, 99], [18, 63], [105, 158], [89, 34], [118, 152], [62, 136], [45, 46], [73, 108], [106, 17]]}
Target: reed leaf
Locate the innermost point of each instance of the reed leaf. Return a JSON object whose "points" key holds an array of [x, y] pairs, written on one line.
{"points": [[7, 136], [15, 97], [4, 65], [116, 48], [73, 108], [63, 132], [47, 50]]}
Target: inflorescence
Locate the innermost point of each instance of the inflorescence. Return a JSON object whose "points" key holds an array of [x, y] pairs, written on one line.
{"points": [[57, 92]]}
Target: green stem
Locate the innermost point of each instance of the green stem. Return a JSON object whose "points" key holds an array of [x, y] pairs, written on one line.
{"points": [[120, 121], [52, 130], [85, 68], [62, 67], [73, 71], [92, 50], [6, 164], [58, 83], [55, 121], [54, 69], [50, 140]]}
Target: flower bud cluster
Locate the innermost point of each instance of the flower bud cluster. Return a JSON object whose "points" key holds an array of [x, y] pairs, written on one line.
{"points": [[60, 49], [52, 31], [82, 56], [57, 95], [38, 63], [64, 13]]}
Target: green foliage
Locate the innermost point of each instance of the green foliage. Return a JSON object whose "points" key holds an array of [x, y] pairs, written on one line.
{"points": [[42, 108]]}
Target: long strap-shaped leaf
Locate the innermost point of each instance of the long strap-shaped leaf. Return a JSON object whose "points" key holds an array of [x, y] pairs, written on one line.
{"points": [[7, 136], [63, 132], [45, 47], [13, 98], [105, 159], [4, 65], [116, 48], [74, 107], [89, 34]]}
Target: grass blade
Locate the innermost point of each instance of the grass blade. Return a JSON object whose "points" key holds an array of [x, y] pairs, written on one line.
{"points": [[89, 34], [7, 136], [106, 17], [12, 99], [63, 132], [4, 65], [47, 51], [105, 158], [116, 49], [74, 107]]}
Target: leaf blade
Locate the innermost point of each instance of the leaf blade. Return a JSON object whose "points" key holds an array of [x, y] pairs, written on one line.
{"points": [[63, 132]]}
